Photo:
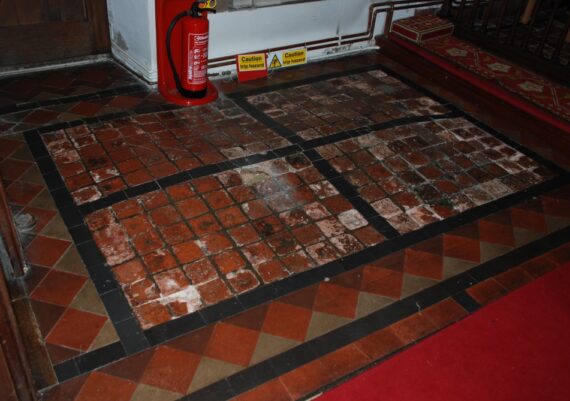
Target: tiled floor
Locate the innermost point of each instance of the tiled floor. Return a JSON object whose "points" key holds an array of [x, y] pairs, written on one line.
{"points": [[272, 242]]}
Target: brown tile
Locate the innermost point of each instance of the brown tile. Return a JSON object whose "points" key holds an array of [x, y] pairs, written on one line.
{"points": [[344, 361], [46, 315], [46, 251], [101, 386], [380, 343], [306, 379], [58, 288], [287, 321], [272, 390], [336, 300], [539, 266], [413, 328], [444, 312], [232, 344], [164, 369], [514, 278], [76, 329], [486, 291]]}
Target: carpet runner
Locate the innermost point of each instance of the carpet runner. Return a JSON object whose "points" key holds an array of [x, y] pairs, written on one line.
{"points": [[514, 349], [516, 85]]}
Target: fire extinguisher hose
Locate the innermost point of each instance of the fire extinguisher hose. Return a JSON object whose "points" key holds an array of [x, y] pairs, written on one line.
{"points": [[184, 92]]}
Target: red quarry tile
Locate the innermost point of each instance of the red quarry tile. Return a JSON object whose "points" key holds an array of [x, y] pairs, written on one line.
{"points": [[444, 313], [200, 271], [413, 328], [129, 272], [381, 281], [216, 243], [272, 271], [214, 291], [204, 224], [176, 233], [287, 321], [461, 248], [206, 184], [297, 262], [272, 390], [165, 216], [154, 200], [486, 291], [336, 300], [171, 281], [244, 235], [159, 261], [152, 314], [137, 225], [218, 199], [171, 369], [58, 288], [148, 242], [242, 280], [141, 292], [180, 192], [423, 264], [8, 146], [379, 343], [231, 217], [232, 344], [496, 233], [113, 243], [76, 329], [187, 252], [529, 220], [344, 361], [192, 207], [12, 169], [306, 379], [21, 193], [229, 261], [100, 386], [127, 209]]}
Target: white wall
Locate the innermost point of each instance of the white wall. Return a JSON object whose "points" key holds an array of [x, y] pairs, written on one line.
{"points": [[233, 32], [133, 35]]}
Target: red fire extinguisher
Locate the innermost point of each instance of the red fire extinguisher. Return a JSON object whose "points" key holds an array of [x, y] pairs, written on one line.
{"points": [[192, 80]]}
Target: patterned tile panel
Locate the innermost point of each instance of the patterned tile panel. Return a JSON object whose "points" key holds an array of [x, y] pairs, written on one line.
{"points": [[417, 174], [198, 243]]}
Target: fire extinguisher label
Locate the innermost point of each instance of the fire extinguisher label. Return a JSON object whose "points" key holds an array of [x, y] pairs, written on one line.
{"points": [[197, 58]]}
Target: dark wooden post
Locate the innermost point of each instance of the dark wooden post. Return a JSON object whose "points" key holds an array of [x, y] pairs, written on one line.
{"points": [[445, 11], [15, 376]]}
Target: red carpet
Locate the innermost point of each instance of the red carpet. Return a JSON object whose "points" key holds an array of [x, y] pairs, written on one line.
{"points": [[517, 348]]}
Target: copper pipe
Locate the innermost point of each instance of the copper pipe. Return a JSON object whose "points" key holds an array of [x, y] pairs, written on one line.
{"points": [[367, 35]]}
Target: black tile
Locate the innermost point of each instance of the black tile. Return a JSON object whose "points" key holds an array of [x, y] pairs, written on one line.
{"points": [[219, 391], [174, 328], [221, 310], [100, 357], [142, 189], [292, 359], [252, 377], [132, 337], [117, 305], [66, 370], [467, 302]]}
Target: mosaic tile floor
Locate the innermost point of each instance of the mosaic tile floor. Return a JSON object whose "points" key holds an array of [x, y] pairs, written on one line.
{"points": [[274, 241]]}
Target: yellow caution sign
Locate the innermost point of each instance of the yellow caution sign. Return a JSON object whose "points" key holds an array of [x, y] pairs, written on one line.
{"points": [[252, 62], [294, 57], [275, 63]]}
